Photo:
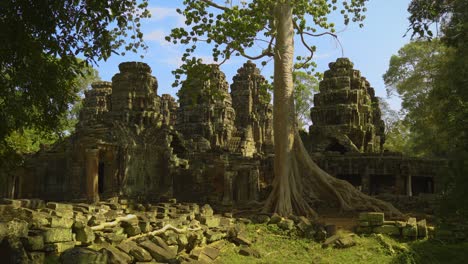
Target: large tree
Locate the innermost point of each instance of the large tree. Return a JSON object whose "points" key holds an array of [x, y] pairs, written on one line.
{"points": [[449, 90], [413, 75], [40, 42], [233, 29], [305, 85]]}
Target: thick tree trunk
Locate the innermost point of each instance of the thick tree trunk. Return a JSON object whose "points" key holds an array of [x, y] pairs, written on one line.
{"points": [[286, 197], [298, 180]]}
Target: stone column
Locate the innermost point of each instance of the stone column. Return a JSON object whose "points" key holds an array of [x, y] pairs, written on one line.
{"points": [[92, 177], [409, 186]]}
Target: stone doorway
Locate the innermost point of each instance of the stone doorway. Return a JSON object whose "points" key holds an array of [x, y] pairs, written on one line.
{"points": [[334, 146], [422, 184], [354, 179], [382, 183], [240, 192]]}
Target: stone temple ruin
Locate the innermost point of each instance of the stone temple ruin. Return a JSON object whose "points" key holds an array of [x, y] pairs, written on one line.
{"points": [[213, 145], [347, 136]]}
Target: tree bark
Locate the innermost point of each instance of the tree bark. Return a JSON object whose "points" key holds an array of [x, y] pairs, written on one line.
{"points": [[298, 180]]}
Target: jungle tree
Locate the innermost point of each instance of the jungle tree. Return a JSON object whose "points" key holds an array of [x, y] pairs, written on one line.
{"points": [[40, 43], [233, 29]]}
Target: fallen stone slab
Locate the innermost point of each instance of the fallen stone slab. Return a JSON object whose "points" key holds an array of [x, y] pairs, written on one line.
{"points": [[157, 252], [34, 241], [80, 255], [373, 218], [345, 242], [116, 256], [390, 230], [59, 206], [422, 228], [58, 247], [331, 241], [36, 257], [133, 249], [249, 252], [52, 235], [14, 228]]}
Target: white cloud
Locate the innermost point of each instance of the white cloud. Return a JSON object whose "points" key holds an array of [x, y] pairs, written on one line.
{"points": [[162, 13], [158, 36]]}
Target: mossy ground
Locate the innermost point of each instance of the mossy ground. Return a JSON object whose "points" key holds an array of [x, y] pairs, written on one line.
{"points": [[277, 246]]}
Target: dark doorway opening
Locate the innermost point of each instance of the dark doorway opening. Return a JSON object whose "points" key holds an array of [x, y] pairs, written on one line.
{"points": [[421, 184], [101, 177], [382, 183], [354, 179], [336, 147], [240, 188]]}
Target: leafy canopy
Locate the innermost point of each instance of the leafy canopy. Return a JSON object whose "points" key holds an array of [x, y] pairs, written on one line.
{"points": [[40, 42], [305, 85], [412, 74], [449, 96], [234, 29]]}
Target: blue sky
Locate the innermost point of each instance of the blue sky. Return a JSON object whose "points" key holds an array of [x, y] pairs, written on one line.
{"points": [[370, 47]]}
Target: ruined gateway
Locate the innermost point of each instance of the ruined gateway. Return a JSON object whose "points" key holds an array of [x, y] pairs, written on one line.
{"points": [[213, 146]]}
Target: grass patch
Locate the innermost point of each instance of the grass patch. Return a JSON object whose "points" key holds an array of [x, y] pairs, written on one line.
{"points": [[278, 246]]}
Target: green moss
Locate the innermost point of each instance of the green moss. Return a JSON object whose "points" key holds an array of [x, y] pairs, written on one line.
{"points": [[279, 246]]}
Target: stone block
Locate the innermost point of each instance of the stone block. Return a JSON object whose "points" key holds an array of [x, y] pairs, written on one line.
{"points": [[286, 224], [160, 242], [411, 228], [182, 240], [374, 218], [84, 234], [364, 223], [390, 230], [132, 230], [242, 238], [157, 252], [275, 219], [113, 237], [52, 235], [212, 236], [249, 252], [59, 206], [210, 221], [422, 228], [133, 249], [36, 257], [364, 230], [115, 256], [12, 202], [58, 247], [206, 210], [261, 219], [14, 228], [345, 242], [84, 255], [60, 222], [330, 241], [145, 226], [34, 242]]}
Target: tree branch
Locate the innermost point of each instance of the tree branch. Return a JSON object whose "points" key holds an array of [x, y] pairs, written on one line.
{"points": [[320, 34], [210, 3], [305, 44], [264, 53]]}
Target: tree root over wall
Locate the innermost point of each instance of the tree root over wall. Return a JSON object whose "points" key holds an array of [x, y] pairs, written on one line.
{"points": [[307, 183]]}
